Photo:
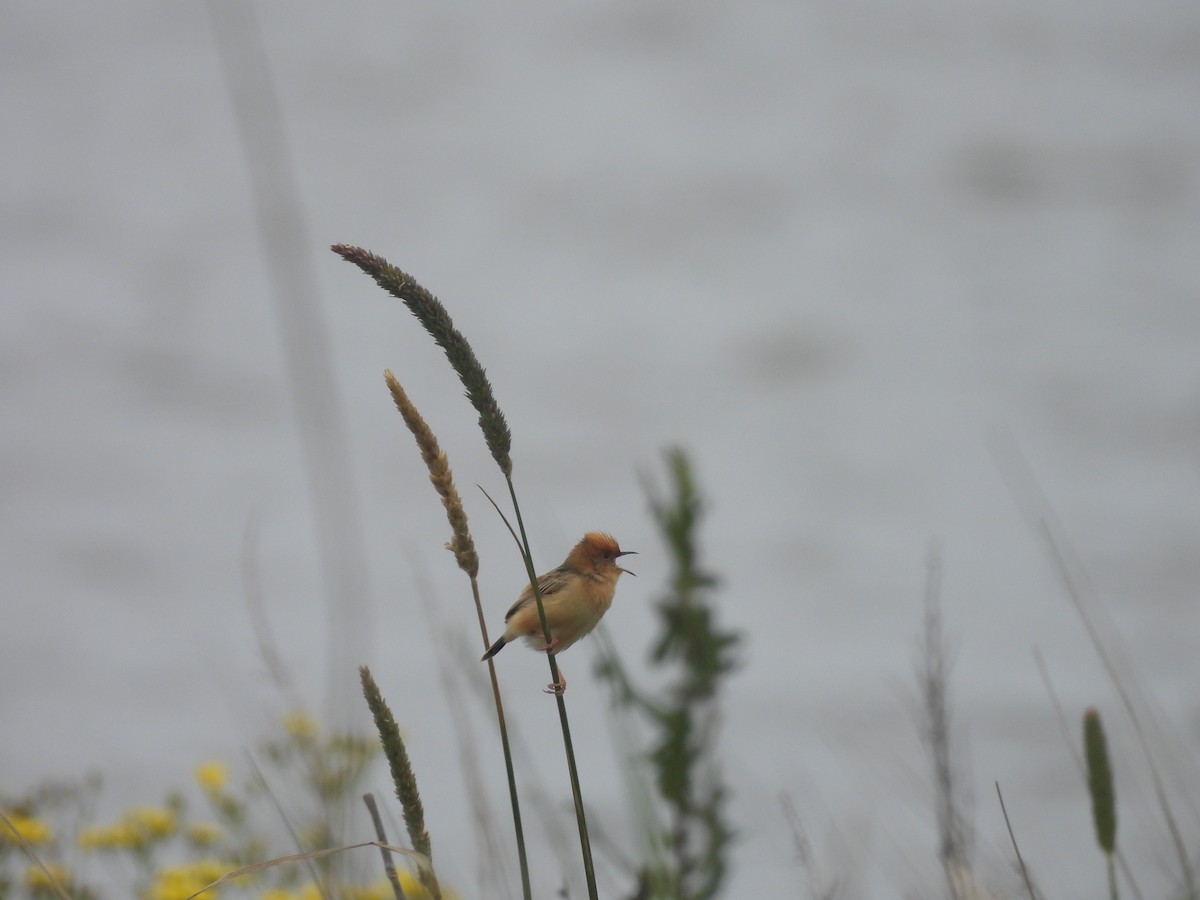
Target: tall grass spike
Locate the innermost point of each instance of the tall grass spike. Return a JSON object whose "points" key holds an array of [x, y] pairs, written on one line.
{"points": [[436, 320], [402, 776], [461, 544], [1100, 782]]}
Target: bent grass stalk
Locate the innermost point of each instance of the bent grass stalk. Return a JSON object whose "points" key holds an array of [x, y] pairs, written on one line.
{"points": [[434, 317]]}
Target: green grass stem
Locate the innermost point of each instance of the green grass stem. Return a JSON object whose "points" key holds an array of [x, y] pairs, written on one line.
{"points": [[403, 778], [585, 843], [463, 547], [1101, 790], [433, 315]]}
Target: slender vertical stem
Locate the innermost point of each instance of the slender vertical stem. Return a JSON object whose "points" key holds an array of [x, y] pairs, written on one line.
{"points": [[576, 795], [311, 383], [389, 867], [508, 763], [1012, 837]]}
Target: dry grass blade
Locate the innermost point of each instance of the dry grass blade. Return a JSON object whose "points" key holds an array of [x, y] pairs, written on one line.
{"points": [[503, 518], [261, 778], [1012, 837], [419, 858], [28, 850]]}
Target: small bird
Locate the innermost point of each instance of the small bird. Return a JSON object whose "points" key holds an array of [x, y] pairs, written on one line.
{"points": [[575, 596]]}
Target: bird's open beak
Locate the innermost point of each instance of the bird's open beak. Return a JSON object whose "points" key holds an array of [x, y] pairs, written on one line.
{"points": [[627, 553]]}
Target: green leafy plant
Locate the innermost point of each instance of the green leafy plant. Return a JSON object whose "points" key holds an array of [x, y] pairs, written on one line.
{"points": [[688, 857]]}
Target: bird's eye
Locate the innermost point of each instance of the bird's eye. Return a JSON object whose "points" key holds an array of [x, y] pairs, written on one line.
{"points": [[607, 555]]}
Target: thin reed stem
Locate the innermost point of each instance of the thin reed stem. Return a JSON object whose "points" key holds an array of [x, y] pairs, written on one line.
{"points": [[436, 320], [313, 872], [585, 843], [28, 850], [463, 547], [311, 382], [1012, 837], [389, 867], [1032, 502], [504, 743], [1077, 758]]}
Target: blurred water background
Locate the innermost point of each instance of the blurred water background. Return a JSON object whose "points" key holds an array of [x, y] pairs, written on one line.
{"points": [[841, 253]]}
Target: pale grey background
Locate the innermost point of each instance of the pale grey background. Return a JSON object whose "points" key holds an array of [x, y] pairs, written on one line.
{"points": [[832, 249]]}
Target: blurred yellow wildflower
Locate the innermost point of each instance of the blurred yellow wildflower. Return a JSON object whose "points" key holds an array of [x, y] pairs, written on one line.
{"points": [[205, 834], [35, 878], [180, 882], [301, 725], [137, 828], [152, 822], [31, 829], [118, 835], [212, 775]]}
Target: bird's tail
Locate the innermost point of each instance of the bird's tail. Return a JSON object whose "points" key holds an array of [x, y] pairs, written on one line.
{"points": [[494, 649]]}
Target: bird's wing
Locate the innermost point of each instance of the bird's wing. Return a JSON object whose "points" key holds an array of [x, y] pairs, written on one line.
{"points": [[550, 583]]}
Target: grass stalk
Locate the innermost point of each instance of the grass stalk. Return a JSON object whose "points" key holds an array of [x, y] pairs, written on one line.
{"points": [[934, 676], [1100, 789], [435, 318], [389, 868], [585, 843], [463, 547], [27, 849], [1016, 849], [404, 780], [1033, 504], [1077, 758], [311, 383]]}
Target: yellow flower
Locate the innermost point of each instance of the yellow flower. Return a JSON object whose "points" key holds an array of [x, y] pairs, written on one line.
{"points": [[36, 878], [205, 833], [149, 822], [301, 726], [119, 835], [212, 775], [180, 882], [94, 837], [174, 883], [31, 829], [411, 885]]}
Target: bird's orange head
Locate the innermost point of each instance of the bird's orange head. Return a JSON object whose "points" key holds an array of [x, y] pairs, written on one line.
{"points": [[598, 552]]}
